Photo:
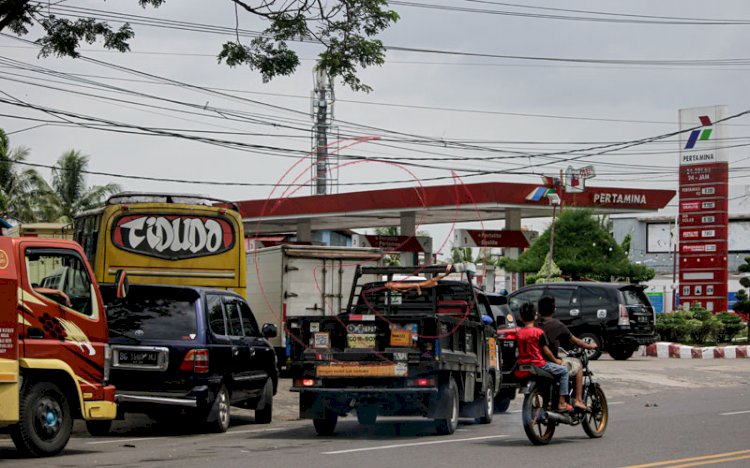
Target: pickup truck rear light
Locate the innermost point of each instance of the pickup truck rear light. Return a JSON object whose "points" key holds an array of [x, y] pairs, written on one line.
{"points": [[196, 360], [304, 383], [624, 318], [421, 382]]}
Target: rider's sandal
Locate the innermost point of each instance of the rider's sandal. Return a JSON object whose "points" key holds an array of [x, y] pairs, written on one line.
{"points": [[583, 409], [565, 409]]}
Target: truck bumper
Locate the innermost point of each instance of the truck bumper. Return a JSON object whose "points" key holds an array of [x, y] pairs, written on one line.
{"points": [[105, 409], [313, 402]]}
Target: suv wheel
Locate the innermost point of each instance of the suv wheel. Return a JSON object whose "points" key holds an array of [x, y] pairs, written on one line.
{"points": [[593, 354], [219, 414], [621, 352]]}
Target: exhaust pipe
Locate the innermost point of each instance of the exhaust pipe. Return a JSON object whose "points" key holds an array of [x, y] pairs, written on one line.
{"points": [[559, 417]]}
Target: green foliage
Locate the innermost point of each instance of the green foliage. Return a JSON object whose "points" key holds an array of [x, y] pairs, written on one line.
{"points": [[345, 28], [583, 249], [626, 243], [742, 306], [21, 187], [698, 326]]}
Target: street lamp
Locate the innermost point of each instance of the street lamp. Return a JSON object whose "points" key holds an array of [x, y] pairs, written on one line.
{"points": [[554, 200]]}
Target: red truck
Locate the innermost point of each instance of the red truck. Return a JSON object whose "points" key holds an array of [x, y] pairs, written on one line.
{"points": [[54, 356]]}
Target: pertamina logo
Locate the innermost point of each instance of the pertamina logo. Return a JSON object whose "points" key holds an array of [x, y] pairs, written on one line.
{"points": [[700, 134]]}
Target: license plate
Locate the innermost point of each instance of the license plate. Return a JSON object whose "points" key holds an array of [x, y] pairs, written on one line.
{"points": [[642, 319], [138, 358]]}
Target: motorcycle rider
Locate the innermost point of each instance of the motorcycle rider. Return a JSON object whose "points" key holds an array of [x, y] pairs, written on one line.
{"points": [[558, 334]]}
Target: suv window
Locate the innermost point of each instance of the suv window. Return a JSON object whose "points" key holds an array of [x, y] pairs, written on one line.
{"points": [[234, 321], [634, 297], [154, 313], [594, 297], [564, 297], [532, 296], [248, 321], [216, 315]]}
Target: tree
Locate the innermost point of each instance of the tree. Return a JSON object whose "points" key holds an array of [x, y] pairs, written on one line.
{"points": [[583, 249], [344, 27], [21, 189], [70, 195]]}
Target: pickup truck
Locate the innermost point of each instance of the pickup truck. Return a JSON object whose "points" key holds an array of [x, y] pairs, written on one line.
{"points": [[405, 346]]}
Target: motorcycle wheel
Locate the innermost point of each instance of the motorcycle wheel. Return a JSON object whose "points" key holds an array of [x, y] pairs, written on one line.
{"points": [[539, 429], [595, 423]]}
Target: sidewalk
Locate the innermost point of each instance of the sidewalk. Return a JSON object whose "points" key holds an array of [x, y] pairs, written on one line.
{"points": [[678, 351]]}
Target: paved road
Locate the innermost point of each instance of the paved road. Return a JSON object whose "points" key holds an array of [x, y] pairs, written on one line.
{"points": [[661, 410]]}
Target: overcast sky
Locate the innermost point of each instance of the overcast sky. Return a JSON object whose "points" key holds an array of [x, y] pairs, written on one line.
{"points": [[502, 107]]}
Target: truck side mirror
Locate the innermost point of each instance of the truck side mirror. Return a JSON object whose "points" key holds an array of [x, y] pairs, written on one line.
{"points": [[269, 330], [121, 282]]}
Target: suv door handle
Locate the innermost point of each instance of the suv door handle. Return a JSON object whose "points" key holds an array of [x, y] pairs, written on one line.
{"points": [[575, 312], [235, 351]]}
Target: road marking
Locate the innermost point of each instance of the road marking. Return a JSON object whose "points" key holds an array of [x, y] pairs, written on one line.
{"points": [[413, 444], [736, 412], [615, 403], [120, 441], [696, 461]]}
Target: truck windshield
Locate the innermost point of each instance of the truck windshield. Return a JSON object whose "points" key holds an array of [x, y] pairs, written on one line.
{"points": [[154, 313]]}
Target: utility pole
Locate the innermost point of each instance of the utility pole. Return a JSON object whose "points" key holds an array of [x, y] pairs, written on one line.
{"points": [[322, 114]]}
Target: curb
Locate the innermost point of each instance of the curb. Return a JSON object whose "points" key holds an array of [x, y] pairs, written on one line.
{"points": [[678, 351]]}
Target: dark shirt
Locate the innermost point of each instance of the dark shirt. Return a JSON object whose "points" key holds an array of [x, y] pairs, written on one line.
{"points": [[557, 334]]}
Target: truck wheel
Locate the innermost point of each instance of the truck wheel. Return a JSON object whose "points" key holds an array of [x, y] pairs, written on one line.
{"points": [[593, 354], [488, 403], [45, 421], [98, 428], [327, 424], [503, 399], [366, 416], [219, 415], [448, 392], [621, 352], [264, 414]]}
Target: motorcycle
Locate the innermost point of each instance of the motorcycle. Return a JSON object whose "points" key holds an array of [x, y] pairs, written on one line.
{"points": [[541, 392]]}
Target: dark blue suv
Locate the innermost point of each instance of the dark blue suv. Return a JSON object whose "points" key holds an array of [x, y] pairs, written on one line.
{"points": [[189, 348]]}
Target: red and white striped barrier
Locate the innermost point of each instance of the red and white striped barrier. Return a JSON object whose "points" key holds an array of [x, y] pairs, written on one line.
{"points": [[678, 351]]}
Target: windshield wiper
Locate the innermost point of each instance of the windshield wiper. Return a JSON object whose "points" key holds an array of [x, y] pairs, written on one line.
{"points": [[119, 333]]}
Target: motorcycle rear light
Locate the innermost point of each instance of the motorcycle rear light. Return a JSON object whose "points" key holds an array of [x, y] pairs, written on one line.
{"points": [[196, 360], [624, 318]]}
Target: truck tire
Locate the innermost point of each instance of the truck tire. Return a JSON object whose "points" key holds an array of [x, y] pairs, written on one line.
{"points": [[503, 399], [219, 415], [326, 425], [45, 421], [98, 428], [264, 414], [592, 338], [448, 392], [488, 403]]}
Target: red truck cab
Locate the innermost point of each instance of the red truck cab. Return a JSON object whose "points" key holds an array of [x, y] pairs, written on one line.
{"points": [[54, 356]]}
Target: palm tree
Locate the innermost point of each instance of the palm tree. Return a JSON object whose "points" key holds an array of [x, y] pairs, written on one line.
{"points": [[71, 196], [22, 190]]}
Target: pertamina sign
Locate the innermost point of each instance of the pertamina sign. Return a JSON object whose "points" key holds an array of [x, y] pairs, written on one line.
{"points": [[173, 237], [703, 208]]}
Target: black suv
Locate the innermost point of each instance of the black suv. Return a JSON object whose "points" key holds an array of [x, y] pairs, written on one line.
{"points": [[507, 324], [188, 348], [617, 317]]}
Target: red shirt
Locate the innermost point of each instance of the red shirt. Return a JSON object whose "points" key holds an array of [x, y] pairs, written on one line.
{"points": [[530, 343]]}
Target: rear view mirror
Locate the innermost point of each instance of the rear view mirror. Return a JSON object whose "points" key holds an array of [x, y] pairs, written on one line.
{"points": [[269, 330], [121, 283]]}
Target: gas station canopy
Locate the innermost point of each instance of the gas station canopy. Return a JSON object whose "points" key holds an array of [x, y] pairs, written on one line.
{"points": [[436, 205]]}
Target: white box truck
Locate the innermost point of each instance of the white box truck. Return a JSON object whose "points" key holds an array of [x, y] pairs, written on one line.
{"points": [[291, 280]]}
